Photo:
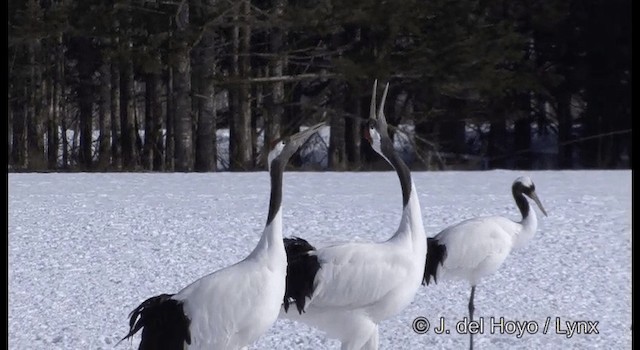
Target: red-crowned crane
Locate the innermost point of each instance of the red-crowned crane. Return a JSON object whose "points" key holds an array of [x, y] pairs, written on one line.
{"points": [[476, 248], [346, 290], [234, 306]]}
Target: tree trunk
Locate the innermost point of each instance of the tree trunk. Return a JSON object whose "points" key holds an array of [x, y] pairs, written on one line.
{"points": [[53, 138], [337, 156], [104, 118], [85, 105], [496, 147], [206, 158], [254, 121], [245, 97], [337, 151], [204, 58], [169, 156], [127, 117], [242, 155], [19, 147], [353, 129], [234, 101], [522, 143], [158, 117], [65, 140], [565, 124], [75, 127], [275, 108], [35, 121], [10, 127], [196, 84], [137, 121], [147, 151], [275, 112], [182, 85], [153, 149], [116, 126]]}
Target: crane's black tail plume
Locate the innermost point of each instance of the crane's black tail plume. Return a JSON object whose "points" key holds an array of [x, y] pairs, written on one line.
{"points": [[436, 253], [302, 266], [163, 322]]}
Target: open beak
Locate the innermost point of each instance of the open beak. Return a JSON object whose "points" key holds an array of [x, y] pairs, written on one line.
{"points": [[535, 198], [297, 140], [372, 108], [382, 101], [378, 115]]}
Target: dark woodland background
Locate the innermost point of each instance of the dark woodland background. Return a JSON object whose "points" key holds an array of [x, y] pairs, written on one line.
{"points": [[206, 85]]}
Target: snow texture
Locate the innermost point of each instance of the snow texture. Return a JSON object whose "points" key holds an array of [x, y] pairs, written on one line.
{"points": [[85, 249]]}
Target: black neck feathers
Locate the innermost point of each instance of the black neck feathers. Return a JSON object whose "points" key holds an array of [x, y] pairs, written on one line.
{"points": [[276, 172], [521, 201], [398, 164]]}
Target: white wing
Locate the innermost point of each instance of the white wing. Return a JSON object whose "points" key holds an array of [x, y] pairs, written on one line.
{"points": [[479, 244], [356, 275], [229, 305]]}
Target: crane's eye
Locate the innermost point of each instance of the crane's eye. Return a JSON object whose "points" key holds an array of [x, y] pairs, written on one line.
{"points": [[372, 124], [529, 189]]}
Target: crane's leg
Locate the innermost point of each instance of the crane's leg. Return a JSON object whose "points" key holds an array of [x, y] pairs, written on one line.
{"points": [[363, 334], [372, 343], [471, 308]]}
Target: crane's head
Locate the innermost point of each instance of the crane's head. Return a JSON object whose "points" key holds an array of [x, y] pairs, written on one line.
{"points": [[284, 148], [524, 185], [376, 130]]}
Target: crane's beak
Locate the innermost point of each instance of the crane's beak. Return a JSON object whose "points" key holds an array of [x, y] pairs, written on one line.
{"points": [[535, 198], [372, 107], [372, 113], [378, 115], [381, 117], [291, 145], [297, 140]]}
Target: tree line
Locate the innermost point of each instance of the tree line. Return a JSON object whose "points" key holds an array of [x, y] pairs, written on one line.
{"points": [[146, 85]]}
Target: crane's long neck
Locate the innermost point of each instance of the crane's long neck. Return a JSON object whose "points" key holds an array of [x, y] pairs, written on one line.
{"points": [[411, 227], [403, 174], [271, 240], [529, 220]]}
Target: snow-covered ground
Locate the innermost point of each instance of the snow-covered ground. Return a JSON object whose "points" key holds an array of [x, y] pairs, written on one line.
{"points": [[85, 249]]}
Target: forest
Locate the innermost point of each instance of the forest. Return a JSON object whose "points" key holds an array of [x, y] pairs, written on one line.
{"points": [[209, 85]]}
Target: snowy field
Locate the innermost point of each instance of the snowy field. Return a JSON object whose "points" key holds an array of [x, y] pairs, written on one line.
{"points": [[85, 249]]}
